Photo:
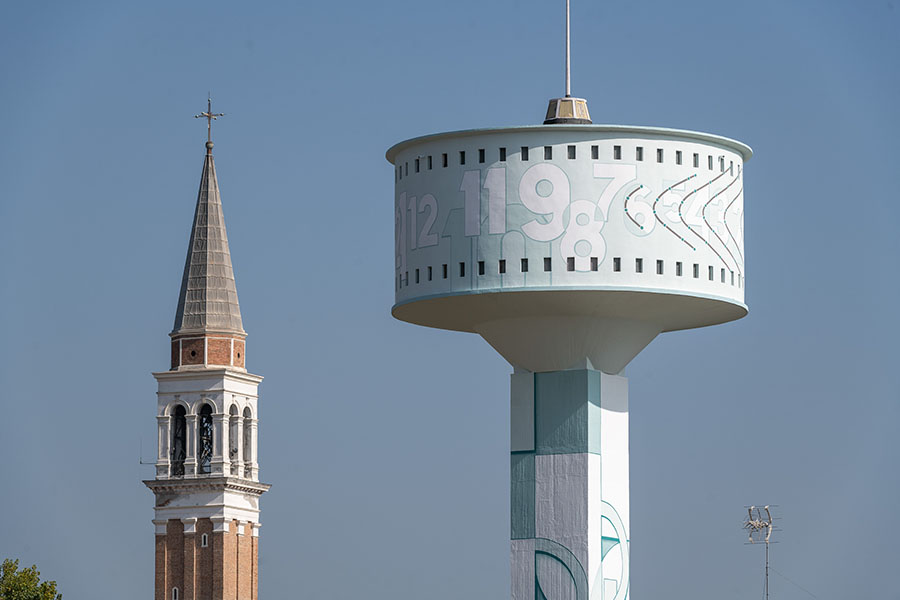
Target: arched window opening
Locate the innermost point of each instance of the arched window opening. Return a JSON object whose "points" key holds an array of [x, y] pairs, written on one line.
{"points": [[204, 540], [205, 439], [179, 441], [248, 448], [234, 454], [174, 593]]}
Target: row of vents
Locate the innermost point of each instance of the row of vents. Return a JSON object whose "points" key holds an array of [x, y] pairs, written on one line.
{"points": [[571, 154], [724, 275]]}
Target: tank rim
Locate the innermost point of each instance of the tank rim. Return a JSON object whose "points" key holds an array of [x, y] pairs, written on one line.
{"points": [[745, 150]]}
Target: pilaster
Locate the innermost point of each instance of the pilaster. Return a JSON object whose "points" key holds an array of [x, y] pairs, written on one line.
{"points": [[190, 558]]}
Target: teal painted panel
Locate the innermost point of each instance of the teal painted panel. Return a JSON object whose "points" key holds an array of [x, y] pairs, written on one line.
{"points": [[567, 412], [522, 513]]}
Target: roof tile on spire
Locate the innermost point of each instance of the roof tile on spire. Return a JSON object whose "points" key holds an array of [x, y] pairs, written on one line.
{"points": [[208, 302]]}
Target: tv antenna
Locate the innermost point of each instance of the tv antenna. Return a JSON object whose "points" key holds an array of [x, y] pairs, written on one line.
{"points": [[759, 526]]}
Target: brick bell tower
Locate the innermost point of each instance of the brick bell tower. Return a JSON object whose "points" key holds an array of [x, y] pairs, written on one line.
{"points": [[207, 486]]}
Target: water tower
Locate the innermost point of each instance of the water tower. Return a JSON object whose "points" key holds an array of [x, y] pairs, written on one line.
{"points": [[569, 247]]}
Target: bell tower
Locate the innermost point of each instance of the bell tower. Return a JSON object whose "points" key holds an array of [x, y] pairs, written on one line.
{"points": [[207, 485]]}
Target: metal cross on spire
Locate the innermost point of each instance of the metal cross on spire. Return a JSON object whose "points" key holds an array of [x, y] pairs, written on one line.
{"points": [[210, 116]]}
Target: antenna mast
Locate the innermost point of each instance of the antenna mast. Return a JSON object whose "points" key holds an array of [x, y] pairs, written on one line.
{"points": [[568, 68], [760, 530], [568, 110]]}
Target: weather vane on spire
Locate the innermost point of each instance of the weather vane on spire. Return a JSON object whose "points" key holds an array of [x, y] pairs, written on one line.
{"points": [[210, 116]]}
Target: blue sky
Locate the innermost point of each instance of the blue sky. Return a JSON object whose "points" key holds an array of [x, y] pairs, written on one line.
{"points": [[390, 477]]}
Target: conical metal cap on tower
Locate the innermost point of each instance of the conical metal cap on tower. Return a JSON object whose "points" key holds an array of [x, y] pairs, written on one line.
{"points": [[208, 302]]}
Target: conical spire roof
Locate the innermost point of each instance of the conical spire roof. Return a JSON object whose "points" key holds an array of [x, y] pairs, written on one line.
{"points": [[208, 301]]}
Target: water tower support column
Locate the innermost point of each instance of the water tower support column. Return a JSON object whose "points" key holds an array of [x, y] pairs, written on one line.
{"points": [[569, 485]]}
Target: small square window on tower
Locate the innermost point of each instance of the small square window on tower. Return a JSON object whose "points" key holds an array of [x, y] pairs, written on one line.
{"points": [[696, 271], [617, 152], [444, 270], [501, 266], [678, 269], [678, 157], [524, 152], [548, 152], [571, 152], [429, 273], [502, 154], [444, 159], [709, 160], [429, 162], [417, 165], [617, 264], [639, 153], [462, 157], [462, 269], [659, 155], [481, 267], [570, 263], [659, 267], [696, 160], [595, 264], [639, 265], [524, 266], [548, 263], [417, 276], [712, 273], [595, 152], [481, 155]]}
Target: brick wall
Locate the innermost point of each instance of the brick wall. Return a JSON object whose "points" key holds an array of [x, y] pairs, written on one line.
{"points": [[226, 569], [174, 557], [218, 351]]}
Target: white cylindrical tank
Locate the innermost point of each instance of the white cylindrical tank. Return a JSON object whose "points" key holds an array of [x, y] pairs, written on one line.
{"points": [[561, 244]]}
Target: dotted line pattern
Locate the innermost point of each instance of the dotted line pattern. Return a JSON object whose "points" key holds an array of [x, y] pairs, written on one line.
{"points": [[656, 215], [627, 198], [705, 220], [731, 235], [691, 229]]}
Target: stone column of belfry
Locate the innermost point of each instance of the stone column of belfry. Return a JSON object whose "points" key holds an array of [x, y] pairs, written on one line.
{"points": [[207, 512]]}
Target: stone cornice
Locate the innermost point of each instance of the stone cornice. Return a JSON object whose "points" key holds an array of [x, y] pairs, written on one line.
{"points": [[206, 372], [196, 484]]}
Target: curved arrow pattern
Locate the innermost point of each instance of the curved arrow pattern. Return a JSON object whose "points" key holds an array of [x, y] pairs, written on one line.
{"points": [[655, 214], [681, 216], [731, 235], [705, 220]]}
